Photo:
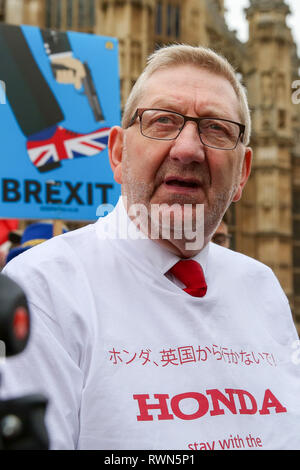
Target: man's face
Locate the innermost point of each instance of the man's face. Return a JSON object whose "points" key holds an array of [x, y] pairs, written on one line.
{"points": [[183, 170]]}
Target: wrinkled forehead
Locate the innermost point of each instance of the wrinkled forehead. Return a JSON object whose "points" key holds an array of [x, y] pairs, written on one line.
{"points": [[188, 84]]}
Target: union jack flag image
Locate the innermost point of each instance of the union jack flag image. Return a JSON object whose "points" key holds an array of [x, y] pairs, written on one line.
{"points": [[46, 154]]}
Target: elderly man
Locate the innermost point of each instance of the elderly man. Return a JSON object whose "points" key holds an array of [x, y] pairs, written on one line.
{"points": [[145, 334]]}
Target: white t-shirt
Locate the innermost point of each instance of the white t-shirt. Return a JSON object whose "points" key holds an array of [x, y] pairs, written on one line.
{"points": [[131, 361]]}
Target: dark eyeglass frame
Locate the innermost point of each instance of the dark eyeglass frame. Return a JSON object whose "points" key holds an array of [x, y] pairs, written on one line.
{"points": [[139, 113], [221, 236]]}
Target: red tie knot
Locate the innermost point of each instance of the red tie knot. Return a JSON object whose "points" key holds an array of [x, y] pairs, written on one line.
{"points": [[190, 273]]}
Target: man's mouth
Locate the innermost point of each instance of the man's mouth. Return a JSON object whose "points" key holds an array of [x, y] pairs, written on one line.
{"points": [[179, 182]]}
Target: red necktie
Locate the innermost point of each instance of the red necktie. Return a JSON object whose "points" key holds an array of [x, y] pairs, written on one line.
{"points": [[190, 273]]}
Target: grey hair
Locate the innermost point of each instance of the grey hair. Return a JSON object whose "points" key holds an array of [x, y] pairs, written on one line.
{"points": [[183, 54]]}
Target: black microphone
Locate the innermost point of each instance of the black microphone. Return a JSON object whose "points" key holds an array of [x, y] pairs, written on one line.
{"points": [[22, 424], [14, 317]]}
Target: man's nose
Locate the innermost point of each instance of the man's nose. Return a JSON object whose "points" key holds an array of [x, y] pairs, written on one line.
{"points": [[188, 147]]}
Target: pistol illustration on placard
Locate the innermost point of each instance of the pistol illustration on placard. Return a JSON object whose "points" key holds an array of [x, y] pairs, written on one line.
{"points": [[68, 69]]}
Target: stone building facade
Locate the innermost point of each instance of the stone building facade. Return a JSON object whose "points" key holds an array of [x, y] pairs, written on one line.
{"points": [[265, 224]]}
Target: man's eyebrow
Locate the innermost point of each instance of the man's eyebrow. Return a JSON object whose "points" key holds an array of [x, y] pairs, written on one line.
{"points": [[214, 111], [208, 110]]}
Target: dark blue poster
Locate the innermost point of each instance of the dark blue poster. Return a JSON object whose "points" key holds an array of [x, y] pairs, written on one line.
{"points": [[59, 98]]}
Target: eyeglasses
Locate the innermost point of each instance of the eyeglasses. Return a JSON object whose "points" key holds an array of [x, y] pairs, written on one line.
{"points": [[161, 124], [221, 238]]}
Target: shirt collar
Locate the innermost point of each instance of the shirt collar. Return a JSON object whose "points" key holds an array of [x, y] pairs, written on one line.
{"points": [[117, 225]]}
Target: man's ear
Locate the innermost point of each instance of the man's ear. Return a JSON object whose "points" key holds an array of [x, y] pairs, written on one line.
{"points": [[245, 173], [115, 152]]}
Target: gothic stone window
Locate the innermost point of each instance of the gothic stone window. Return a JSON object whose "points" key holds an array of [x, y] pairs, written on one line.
{"points": [[281, 119], [78, 15], [167, 20]]}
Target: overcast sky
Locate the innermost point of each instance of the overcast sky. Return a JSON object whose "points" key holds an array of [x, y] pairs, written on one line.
{"points": [[236, 18]]}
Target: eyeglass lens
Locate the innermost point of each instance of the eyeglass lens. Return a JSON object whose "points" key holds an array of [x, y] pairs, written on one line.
{"points": [[167, 125]]}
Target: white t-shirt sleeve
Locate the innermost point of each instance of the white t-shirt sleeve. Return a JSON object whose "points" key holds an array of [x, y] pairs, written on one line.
{"points": [[47, 365]]}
